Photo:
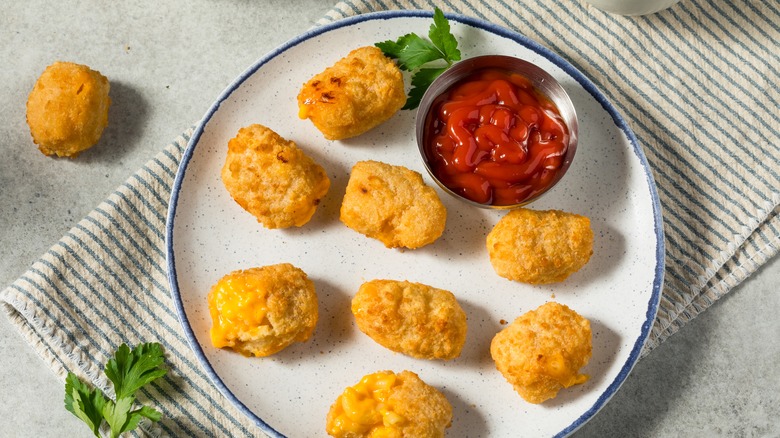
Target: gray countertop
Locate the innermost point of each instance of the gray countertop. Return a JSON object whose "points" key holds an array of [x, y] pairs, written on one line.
{"points": [[167, 61]]}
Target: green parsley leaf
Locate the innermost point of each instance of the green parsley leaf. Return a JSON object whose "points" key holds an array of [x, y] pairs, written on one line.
{"points": [[412, 52], [135, 417], [416, 52], [441, 36], [392, 49], [84, 402], [116, 414], [128, 371], [420, 82], [121, 419]]}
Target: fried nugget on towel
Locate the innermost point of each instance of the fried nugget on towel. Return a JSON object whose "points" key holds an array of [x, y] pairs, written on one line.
{"points": [[540, 247], [272, 178], [354, 95], [260, 311], [542, 351], [393, 205], [411, 318]]}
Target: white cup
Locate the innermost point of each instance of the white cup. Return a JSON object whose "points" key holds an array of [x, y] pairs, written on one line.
{"points": [[632, 7]]}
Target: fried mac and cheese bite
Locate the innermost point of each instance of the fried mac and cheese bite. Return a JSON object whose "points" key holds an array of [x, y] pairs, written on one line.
{"points": [[393, 205], [540, 247], [542, 351], [272, 178], [411, 318], [389, 405], [67, 109], [354, 95], [261, 311]]}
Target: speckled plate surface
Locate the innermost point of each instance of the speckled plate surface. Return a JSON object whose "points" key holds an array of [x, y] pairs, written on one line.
{"points": [[289, 393]]}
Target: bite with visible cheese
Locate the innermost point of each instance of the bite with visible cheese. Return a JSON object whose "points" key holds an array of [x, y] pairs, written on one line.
{"points": [[260, 311], [389, 405]]}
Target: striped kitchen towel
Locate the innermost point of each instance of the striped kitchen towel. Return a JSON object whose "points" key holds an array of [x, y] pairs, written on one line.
{"points": [[696, 83]]}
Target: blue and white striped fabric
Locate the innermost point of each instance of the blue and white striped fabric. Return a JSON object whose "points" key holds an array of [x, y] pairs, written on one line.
{"points": [[697, 83]]}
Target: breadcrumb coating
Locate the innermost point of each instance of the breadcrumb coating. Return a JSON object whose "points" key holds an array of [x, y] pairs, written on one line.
{"points": [[540, 247], [67, 109], [411, 318], [542, 351], [357, 93], [272, 178], [393, 205]]}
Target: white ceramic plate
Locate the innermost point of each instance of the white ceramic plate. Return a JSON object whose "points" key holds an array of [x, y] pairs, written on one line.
{"points": [[289, 393]]}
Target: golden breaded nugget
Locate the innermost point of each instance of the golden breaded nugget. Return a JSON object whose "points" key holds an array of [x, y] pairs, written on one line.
{"points": [[272, 178], [354, 95], [260, 311], [411, 318], [542, 351], [393, 205], [540, 247], [67, 109], [389, 405]]}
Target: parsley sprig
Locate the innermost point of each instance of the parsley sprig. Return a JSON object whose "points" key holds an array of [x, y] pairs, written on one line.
{"points": [[128, 371], [413, 52]]}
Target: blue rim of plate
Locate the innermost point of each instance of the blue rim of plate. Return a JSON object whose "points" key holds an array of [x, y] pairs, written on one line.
{"points": [[551, 56]]}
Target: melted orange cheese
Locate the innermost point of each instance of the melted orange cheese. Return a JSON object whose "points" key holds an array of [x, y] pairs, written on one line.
{"points": [[303, 111], [556, 367], [238, 308], [365, 409]]}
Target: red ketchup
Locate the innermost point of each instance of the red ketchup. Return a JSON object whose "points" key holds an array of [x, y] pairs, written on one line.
{"points": [[495, 139]]}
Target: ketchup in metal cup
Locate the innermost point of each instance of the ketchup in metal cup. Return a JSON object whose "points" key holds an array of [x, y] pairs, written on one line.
{"points": [[495, 139]]}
